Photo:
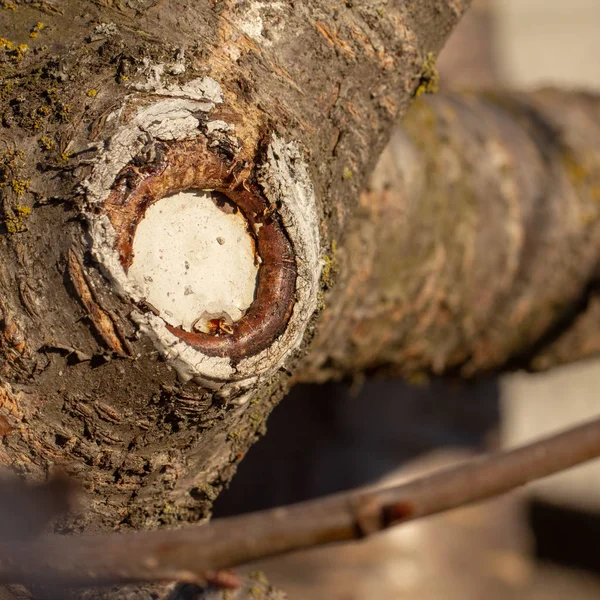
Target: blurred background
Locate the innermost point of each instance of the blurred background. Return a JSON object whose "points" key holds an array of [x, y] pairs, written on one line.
{"points": [[540, 543]]}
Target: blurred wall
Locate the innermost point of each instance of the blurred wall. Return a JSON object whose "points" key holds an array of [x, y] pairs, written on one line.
{"points": [[542, 42], [552, 42]]}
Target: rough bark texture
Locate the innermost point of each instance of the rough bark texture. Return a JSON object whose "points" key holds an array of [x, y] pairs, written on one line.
{"points": [[477, 245], [81, 385]]}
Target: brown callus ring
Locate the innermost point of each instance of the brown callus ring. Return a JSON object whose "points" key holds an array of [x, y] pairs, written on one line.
{"points": [[182, 166]]}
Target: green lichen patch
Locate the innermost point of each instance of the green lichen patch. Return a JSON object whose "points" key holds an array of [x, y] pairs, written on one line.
{"points": [[14, 219], [47, 143], [330, 265], [12, 186], [429, 82], [13, 50], [35, 30], [12, 163], [19, 186], [577, 171], [35, 107]]}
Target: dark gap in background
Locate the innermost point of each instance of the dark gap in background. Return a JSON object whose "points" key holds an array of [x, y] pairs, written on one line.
{"points": [[565, 535], [323, 439]]}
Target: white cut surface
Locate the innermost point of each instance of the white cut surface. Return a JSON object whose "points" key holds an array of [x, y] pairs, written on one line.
{"points": [[194, 261]]}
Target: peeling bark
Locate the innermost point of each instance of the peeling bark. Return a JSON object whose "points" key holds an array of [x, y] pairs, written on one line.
{"points": [[291, 104]]}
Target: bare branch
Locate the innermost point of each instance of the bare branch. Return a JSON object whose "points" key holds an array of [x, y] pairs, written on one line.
{"points": [[187, 555]]}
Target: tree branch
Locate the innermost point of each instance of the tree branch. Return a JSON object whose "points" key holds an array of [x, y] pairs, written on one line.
{"points": [[188, 554], [476, 247], [278, 111]]}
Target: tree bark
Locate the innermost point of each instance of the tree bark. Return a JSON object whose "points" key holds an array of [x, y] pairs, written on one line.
{"points": [[278, 112]]}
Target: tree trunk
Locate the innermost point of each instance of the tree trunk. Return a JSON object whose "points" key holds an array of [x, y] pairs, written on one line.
{"points": [[180, 193], [137, 353]]}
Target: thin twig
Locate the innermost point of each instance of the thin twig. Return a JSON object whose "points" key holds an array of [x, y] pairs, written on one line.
{"points": [[188, 554]]}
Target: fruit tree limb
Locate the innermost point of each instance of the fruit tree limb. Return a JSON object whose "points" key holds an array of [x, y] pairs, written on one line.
{"points": [[188, 554], [123, 127], [477, 246]]}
